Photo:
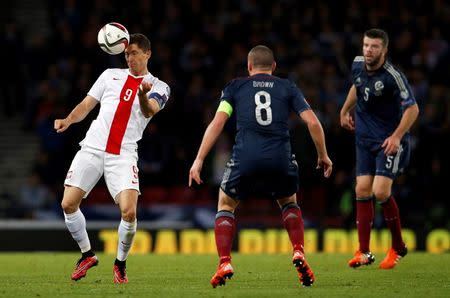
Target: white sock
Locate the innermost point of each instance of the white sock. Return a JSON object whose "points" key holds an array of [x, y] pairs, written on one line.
{"points": [[126, 235], [76, 223]]}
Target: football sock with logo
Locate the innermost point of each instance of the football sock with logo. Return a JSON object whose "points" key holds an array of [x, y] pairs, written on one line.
{"points": [[126, 232], [364, 221], [392, 218], [293, 222], [76, 224], [224, 230]]}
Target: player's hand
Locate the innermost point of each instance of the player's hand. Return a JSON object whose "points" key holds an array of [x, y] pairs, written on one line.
{"points": [[391, 145], [194, 173], [61, 125], [347, 122], [144, 88], [326, 164]]}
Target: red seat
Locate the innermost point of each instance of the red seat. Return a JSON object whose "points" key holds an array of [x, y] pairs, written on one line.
{"points": [[261, 206], [204, 198], [182, 195], [256, 220], [153, 195], [99, 195]]}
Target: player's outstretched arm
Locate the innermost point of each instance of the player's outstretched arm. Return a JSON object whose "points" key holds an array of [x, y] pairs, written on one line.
{"points": [[347, 121], [212, 132], [392, 143], [78, 114], [318, 136], [149, 106]]}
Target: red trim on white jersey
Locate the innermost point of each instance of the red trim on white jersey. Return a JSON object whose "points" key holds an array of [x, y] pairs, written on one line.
{"points": [[122, 115]]}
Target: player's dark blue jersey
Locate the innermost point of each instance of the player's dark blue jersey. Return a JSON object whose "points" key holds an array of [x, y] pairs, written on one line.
{"points": [[262, 104], [383, 95]]}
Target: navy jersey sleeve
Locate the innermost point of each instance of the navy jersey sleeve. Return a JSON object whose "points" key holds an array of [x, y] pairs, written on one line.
{"points": [[228, 93], [357, 66], [401, 90], [298, 101]]}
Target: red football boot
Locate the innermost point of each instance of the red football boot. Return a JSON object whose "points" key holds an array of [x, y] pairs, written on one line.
{"points": [[83, 265], [120, 275]]}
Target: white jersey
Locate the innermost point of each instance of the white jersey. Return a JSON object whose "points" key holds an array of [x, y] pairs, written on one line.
{"points": [[120, 122]]}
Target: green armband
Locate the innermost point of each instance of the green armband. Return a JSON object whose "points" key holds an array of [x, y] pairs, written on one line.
{"points": [[225, 107]]}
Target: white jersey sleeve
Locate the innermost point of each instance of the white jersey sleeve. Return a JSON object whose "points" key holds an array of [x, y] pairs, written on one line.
{"points": [[99, 86], [160, 92]]}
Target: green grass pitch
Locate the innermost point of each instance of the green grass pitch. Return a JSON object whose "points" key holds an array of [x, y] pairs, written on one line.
{"points": [[48, 275]]}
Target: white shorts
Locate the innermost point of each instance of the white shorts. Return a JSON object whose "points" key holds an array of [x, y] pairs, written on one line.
{"points": [[88, 166]]}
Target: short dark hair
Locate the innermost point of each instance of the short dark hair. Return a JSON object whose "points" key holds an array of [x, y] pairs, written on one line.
{"points": [[378, 33], [261, 57], [141, 41]]}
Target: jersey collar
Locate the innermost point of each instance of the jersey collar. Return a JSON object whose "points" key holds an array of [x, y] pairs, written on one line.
{"points": [[137, 77]]}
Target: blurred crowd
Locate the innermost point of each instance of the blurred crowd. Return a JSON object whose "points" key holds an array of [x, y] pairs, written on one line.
{"points": [[199, 45]]}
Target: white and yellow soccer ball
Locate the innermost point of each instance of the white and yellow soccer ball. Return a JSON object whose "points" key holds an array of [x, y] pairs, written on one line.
{"points": [[113, 38]]}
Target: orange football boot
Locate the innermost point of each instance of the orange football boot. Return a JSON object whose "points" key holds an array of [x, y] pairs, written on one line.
{"points": [[224, 271], [361, 258], [392, 258], [305, 273]]}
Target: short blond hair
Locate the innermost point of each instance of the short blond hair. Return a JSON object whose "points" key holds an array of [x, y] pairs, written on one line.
{"points": [[261, 57]]}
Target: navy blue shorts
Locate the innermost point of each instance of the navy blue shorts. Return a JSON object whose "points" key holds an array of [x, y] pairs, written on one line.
{"points": [[371, 160], [277, 180]]}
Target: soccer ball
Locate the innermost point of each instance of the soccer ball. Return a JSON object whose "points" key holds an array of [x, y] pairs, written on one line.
{"points": [[113, 38]]}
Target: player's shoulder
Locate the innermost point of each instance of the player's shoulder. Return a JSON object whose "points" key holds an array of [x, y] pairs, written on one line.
{"points": [[394, 72], [286, 82], [358, 63], [114, 73], [233, 85], [154, 80], [157, 83], [396, 78], [237, 82]]}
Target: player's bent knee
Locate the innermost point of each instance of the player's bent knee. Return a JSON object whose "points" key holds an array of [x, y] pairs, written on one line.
{"points": [[129, 215], [363, 194], [291, 205], [363, 186], [226, 202], [287, 200], [381, 195], [69, 207], [72, 199], [363, 191]]}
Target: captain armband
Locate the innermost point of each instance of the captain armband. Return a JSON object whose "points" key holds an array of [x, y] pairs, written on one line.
{"points": [[161, 99], [225, 107]]}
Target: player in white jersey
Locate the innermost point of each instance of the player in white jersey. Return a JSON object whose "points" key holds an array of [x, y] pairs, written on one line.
{"points": [[128, 99]]}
